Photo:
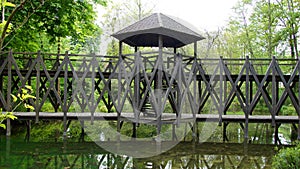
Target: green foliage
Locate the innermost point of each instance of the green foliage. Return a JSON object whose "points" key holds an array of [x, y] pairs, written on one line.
{"points": [[46, 131], [5, 116], [287, 158], [51, 25], [288, 110], [22, 98], [258, 29]]}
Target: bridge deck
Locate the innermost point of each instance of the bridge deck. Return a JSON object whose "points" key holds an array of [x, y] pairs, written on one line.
{"points": [[166, 117]]}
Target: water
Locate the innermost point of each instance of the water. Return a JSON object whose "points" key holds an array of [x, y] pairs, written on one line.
{"points": [[19, 154], [45, 152]]}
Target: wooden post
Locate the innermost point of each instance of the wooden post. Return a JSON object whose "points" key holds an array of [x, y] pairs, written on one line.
{"points": [[8, 102], [276, 138], [274, 95], [225, 124], [136, 101], [195, 49], [174, 132], [119, 97], [133, 130], [179, 87], [28, 127], [221, 91], [94, 62], [82, 131], [136, 49], [246, 134], [251, 93], [298, 108], [64, 106], [159, 85], [37, 94]]}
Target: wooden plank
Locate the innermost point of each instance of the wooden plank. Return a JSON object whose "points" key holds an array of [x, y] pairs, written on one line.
{"points": [[166, 116]]}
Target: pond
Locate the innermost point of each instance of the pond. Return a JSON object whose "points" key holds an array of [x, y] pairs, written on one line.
{"points": [[16, 154], [105, 151]]}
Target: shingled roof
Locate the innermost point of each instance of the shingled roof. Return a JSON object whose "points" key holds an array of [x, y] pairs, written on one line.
{"points": [[176, 32]]}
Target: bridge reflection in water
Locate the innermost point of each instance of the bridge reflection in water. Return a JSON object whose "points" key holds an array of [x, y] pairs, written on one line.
{"points": [[90, 155]]}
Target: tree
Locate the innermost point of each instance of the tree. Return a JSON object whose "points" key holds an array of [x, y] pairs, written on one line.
{"points": [[38, 23], [266, 27]]}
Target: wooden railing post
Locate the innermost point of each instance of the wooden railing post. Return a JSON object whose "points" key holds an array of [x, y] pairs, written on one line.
{"points": [[179, 83], [298, 63], [221, 90], [9, 88], [247, 100], [64, 105], [274, 94], [93, 104], [37, 95]]}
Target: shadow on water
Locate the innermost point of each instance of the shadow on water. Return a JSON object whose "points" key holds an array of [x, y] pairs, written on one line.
{"points": [[15, 154]]}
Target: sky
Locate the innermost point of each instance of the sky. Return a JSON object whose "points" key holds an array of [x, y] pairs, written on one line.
{"points": [[203, 14]]}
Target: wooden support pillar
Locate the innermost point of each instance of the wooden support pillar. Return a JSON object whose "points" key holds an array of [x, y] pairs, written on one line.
{"points": [[174, 137], [195, 49], [276, 138], [136, 49], [8, 127], [195, 132], [159, 86], [225, 138], [81, 139], [28, 129], [133, 130], [136, 99], [119, 97]]}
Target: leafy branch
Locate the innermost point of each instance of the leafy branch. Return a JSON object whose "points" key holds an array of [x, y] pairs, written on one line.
{"points": [[22, 97]]}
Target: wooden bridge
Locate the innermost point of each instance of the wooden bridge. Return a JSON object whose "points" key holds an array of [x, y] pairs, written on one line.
{"points": [[156, 88], [188, 90]]}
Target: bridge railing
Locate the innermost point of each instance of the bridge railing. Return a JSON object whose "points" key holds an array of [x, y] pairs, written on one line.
{"points": [[150, 83]]}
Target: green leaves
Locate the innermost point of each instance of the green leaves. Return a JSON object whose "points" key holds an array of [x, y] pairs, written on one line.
{"points": [[3, 117], [22, 97], [10, 115], [4, 3], [15, 99], [44, 26], [2, 126], [28, 106], [287, 158]]}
